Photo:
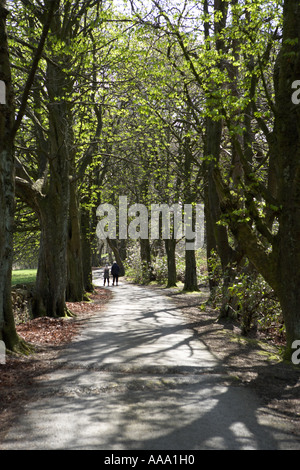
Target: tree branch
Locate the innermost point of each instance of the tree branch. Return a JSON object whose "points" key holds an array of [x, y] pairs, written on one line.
{"points": [[36, 59]]}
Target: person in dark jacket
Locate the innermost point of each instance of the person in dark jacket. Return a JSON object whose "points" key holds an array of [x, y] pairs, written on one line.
{"points": [[115, 270], [106, 274]]}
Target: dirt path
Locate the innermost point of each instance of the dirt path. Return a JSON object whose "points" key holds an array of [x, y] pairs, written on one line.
{"points": [[140, 377]]}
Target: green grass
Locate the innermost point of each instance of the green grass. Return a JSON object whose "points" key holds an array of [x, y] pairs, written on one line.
{"points": [[23, 276]]}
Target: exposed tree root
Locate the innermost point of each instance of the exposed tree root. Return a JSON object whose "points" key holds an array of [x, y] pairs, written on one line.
{"points": [[22, 347]]}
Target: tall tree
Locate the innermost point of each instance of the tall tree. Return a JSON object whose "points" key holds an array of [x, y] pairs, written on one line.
{"points": [[49, 182], [8, 128], [7, 330], [274, 249]]}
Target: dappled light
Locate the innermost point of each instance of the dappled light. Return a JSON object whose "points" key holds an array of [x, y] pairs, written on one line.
{"points": [[139, 377]]}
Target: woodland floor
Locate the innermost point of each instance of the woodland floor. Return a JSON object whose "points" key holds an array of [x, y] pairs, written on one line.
{"points": [[253, 362]]}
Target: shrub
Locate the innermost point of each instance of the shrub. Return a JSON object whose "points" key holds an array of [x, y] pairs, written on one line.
{"points": [[248, 298], [257, 305]]}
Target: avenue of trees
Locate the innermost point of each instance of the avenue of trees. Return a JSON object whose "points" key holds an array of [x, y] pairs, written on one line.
{"points": [[166, 102]]}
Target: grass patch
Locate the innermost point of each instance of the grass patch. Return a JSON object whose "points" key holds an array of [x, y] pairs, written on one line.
{"points": [[23, 276]]}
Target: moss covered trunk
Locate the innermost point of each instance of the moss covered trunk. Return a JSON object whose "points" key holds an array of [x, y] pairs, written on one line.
{"points": [[287, 131], [51, 283], [75, 287], [7, 192]]}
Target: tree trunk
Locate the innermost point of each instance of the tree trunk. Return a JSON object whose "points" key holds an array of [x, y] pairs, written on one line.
{"points": [[216, 234], [190, 278], [8, 129], [170, 245], [7, 193], [145, 251], [189, 197], [75, 287], [50, 289], [212, 202], [210, 241], [51, 283], [86, 250], [289, 274], [287, 130]]}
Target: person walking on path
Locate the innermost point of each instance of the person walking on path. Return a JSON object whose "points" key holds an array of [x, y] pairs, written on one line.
{"points": [[115, 270], [106, 274]]}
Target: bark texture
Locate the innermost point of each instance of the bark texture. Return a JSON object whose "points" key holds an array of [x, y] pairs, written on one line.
{"points": [[7, 191]]}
